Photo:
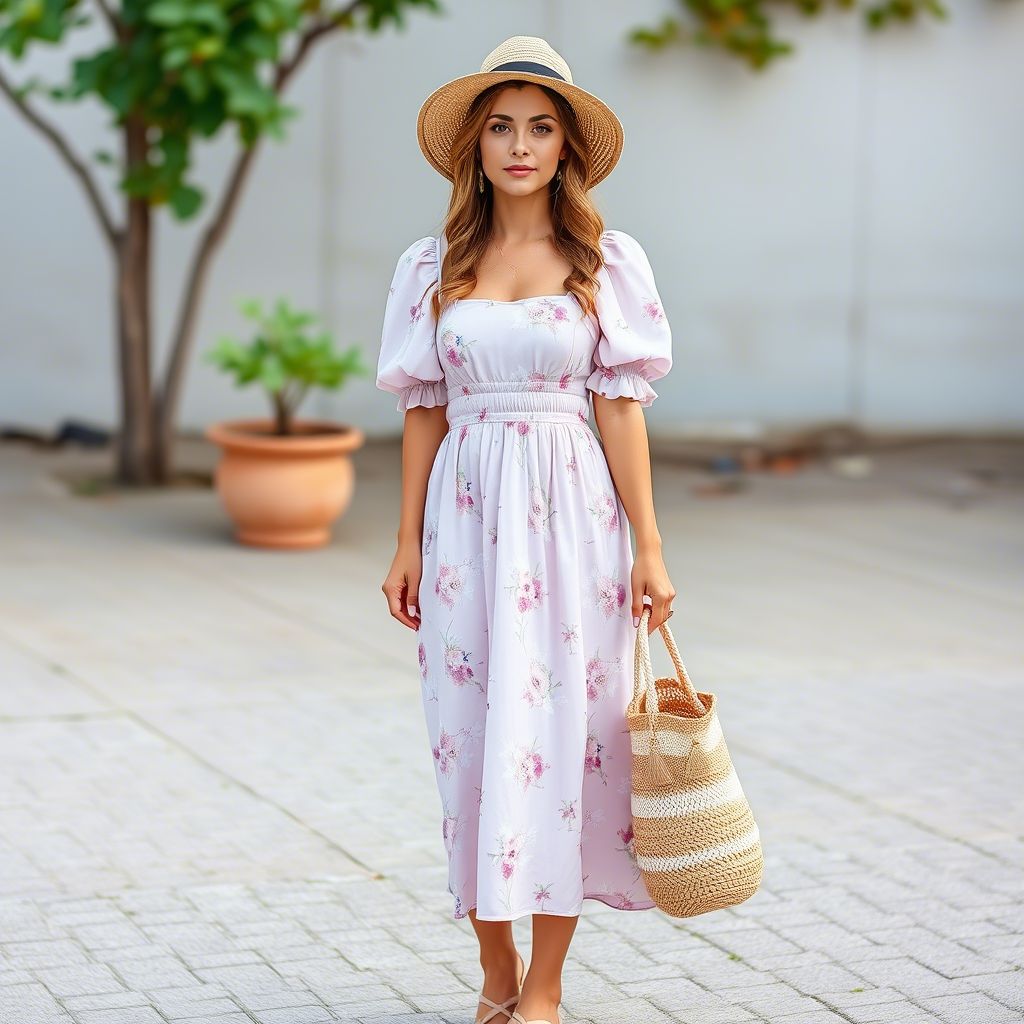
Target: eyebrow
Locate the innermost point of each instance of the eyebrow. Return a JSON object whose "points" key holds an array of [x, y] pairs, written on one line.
{"points": [[536, 117]]}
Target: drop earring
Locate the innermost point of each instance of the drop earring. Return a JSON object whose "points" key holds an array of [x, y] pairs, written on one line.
{"points": [[479, 180]]}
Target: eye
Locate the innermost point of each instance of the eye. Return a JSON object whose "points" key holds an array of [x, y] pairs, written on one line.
{"points": [[501, 124]]}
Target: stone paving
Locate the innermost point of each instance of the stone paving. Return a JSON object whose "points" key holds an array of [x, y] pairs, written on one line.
{"points": [[217, 804]]}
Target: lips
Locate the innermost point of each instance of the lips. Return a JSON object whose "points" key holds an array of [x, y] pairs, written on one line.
{"points": [[515, 168]]}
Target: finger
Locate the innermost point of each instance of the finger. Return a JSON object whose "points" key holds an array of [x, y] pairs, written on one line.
{"points": [[661, 608], [394, 596], [412, 599], [637, 603], [651, 624], [670, 600]]}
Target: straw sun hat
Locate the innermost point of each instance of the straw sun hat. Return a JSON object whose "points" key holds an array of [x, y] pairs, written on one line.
{"points": [[527, 58]]}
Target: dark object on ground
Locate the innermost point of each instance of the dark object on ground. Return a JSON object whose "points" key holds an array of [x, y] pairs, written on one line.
{"points": [[724, 464], [69, 432]]}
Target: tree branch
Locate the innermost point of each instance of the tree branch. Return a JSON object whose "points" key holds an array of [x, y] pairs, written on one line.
{"points": [[76, 166], [111, 19], [319, 29], [169, 393]]}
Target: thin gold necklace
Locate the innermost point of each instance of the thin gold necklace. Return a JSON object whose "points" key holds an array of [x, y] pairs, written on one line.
{"points": [[512, 267]]}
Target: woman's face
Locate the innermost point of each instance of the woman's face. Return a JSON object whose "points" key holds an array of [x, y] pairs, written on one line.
{"points": [[522, 129]]}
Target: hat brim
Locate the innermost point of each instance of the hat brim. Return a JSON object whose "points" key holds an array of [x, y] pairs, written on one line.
{"points": [[444, 110]]}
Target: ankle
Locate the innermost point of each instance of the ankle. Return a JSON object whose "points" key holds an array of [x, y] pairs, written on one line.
{"points": [[546, 991], [501, 961]]}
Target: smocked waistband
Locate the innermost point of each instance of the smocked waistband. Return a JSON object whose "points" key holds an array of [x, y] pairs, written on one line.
{"points": [[511, 400]]}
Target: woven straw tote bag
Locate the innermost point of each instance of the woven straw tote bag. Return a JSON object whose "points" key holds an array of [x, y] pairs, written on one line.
{"points": [[696, 842]]}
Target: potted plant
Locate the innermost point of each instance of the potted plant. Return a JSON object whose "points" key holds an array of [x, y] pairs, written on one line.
{"points": [[282, 480]]}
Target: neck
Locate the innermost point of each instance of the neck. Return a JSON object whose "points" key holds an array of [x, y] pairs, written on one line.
{"points": [[519, 219]]}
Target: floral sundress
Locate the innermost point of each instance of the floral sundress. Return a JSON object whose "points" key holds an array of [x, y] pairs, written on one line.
{"points": [[526, 638]]}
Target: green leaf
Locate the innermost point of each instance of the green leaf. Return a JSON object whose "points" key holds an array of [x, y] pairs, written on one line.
{"points": [[168, 13], [185, 201], [251, 308], [195, 83], [263, 47], [208, 47], [175, 57]]}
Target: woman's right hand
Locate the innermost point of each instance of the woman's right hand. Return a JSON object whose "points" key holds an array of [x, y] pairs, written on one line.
{"points": [[402, 587]]}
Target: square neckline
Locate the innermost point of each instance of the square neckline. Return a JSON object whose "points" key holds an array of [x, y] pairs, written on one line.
{"points": [[451, 308], [509, 302]]}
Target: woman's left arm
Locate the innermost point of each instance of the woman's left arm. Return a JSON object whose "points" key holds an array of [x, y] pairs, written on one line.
{"points": [[623, 430], [634, 347]]}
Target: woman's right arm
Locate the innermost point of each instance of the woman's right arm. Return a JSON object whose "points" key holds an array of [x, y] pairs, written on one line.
{"points": [[409, 368], [421, 437]]}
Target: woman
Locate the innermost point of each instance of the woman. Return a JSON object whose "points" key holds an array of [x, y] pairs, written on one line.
{"points": [[514, 561]]}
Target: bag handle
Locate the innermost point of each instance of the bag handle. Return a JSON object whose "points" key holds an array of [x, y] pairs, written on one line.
{"points": [[643, 670]]}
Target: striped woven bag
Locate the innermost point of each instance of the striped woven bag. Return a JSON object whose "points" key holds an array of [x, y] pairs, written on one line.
{"points": [[696, 842]]}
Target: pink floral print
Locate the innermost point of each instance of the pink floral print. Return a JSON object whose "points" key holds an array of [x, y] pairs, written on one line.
{"points": [[570, 636], [510, 857], [527, 593], [540, 686], [547, 311], [529, 590], [593, 761], [653, 311], [452, 827], [605, 509], [609, 593], [520, 430], [598, 673], [526, 765], [456, 348], [428, 682], [457, 665], [464, 501], [541, 894], [453, 583], [567, 814], [448, 749], [541, 512], [429, 534]]}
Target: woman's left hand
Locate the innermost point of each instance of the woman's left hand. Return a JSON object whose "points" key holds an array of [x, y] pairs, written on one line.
{"points": [[650, 577]]}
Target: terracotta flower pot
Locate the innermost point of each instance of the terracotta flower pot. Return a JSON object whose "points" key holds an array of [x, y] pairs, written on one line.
{"points": [[285, 491]]}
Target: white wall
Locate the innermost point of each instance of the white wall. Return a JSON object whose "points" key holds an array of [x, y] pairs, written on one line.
{"points": [[840, 237]]}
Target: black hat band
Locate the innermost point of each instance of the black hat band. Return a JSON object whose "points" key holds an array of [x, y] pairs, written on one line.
{"points": [[529, 65]]}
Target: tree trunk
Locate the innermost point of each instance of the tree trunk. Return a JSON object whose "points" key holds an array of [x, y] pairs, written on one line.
{"points": [[135, 460], [282, 415], [168, 397]]}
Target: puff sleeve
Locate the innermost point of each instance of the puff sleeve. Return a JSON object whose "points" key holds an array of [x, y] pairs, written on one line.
{"points": [[408, 365], [635, 344]]}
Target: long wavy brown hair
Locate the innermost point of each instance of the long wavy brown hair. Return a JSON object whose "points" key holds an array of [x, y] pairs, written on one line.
{"points": [[577, 224]]}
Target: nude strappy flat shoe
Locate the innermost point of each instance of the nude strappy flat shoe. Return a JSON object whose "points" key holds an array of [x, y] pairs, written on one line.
{"points": [[502, 1007], [520, 1019]]}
